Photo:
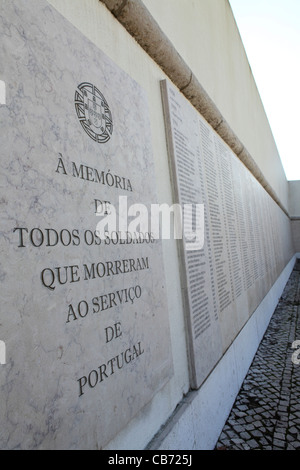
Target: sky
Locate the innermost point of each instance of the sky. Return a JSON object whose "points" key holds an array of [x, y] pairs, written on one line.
{"points": [[270, 31]]}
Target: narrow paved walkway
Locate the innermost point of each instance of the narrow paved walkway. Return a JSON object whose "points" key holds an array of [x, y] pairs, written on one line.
{"points": [[266, 413]]}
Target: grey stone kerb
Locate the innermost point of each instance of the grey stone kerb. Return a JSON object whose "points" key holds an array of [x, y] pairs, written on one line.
{"points": [[138, 21]]}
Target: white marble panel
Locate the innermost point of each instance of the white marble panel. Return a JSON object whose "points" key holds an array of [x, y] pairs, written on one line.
{"points": [[188, 167], [247, 236], [84, 320]]}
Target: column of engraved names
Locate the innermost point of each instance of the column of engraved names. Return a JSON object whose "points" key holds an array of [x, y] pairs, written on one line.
{"points": [[247, 255], [264, 205], [188, 193], [231, 221], [206, 152], [212, 215], [185, 168], [270, 241], [277, 234], [254, 240], [274, 234], [186, 159], [240, 282], [260, 231], [209, 308], [220, 236]]}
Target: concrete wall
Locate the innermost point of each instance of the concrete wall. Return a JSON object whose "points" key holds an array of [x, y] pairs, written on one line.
{"points": [[205, 34]]}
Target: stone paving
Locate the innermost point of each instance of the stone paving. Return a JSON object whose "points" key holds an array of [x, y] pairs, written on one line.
{"points": [[266, 413]]}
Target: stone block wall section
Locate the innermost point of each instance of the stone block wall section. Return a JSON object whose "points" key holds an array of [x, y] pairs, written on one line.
{"points": [[138, 21]]}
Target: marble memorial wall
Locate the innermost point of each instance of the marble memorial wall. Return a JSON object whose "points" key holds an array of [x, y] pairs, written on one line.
{"points": [[246, 235], [84, 332], [84, 319]]}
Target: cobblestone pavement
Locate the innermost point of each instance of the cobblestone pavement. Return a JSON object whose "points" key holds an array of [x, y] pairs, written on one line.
{"points": [[266, 413]]}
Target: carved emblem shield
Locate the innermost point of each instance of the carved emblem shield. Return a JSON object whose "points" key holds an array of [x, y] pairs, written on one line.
{"points": [[93, 112]]}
